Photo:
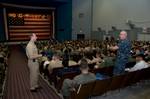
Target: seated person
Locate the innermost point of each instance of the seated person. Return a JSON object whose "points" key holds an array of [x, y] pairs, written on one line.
{"points": [[45, 70], [2, 52], [83, 78], [88, 60], [72, 63], [44, 58], [55, 62], [140, 63], [87, 49], [106, 62], [97, 59], [42, 61], [65, 61]]}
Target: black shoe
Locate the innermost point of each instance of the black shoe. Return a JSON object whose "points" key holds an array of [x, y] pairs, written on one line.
{"points": [[33, 90]]}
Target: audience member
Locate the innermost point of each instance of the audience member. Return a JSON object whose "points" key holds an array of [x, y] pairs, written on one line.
{"points": [[140, 63], [83, 78]]}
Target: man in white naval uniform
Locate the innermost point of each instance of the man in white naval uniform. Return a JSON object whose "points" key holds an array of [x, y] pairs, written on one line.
{"points": [[32, 54]]}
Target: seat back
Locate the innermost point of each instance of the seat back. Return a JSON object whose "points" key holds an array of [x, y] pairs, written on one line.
{"points": [[65, 76], [116, 82], [101, 86], [109, 70], [137, 76], [128, 79], [145, 73], [84, 91], [104, 70]]}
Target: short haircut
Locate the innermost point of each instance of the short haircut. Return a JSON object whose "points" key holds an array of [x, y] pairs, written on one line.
{"points": [[123, 31], [83, 63], [30, 35]]}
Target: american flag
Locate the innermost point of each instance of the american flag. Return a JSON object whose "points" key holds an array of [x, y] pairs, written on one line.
{"points": [[20, 26]]}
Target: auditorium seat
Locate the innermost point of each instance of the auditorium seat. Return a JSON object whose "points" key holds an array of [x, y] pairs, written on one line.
{"points": [[84, 91], [128, 79], [104, 70], [58, 79], [116, 82], [145, 74], [137, 77], [65, 76], [61, 71], [101, 86]]}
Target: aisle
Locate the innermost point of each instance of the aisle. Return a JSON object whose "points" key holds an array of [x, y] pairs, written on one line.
{"points": [[17, 84]]}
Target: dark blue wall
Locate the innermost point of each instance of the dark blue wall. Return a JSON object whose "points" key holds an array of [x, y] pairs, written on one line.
{"points": [[2, 28], [63, 17], [64, 22]]}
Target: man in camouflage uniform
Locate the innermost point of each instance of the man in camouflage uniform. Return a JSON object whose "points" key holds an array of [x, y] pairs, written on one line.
{"points": [[82, 78], [123, 53]]}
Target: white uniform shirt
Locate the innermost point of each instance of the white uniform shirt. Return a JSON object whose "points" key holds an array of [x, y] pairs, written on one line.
{"points": [[55, 64], [138, 66], [31, 50]]}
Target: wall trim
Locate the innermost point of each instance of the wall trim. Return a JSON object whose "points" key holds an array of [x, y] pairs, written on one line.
{"points": [[27, 7], [5, 23]]}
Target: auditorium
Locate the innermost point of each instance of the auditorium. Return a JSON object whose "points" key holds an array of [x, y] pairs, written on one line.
{"points": [[74, 49]]}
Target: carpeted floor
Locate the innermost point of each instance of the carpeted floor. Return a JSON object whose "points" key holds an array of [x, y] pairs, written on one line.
{"points": [[138, 91], [17, 84]]}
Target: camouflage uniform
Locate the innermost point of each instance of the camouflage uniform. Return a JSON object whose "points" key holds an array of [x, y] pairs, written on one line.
{"points": [[79, 79], [122, 56]]}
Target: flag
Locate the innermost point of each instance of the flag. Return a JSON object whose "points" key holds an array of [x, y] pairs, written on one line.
{"points": [[20, 26]]}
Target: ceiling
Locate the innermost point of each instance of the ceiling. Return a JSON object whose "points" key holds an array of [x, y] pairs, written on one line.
{"points": [[37, 2]]}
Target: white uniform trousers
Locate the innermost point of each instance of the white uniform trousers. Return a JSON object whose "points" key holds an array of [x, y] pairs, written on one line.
{"points": [[34, 73]]}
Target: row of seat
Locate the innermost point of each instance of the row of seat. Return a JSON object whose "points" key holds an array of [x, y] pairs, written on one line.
{"points": [[2, 76], [58, 80], [4, 53], [72, 71], [100, 87]]}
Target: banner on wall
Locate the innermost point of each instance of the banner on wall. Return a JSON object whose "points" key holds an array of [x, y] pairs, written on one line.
{"points": [[21, 25]]}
